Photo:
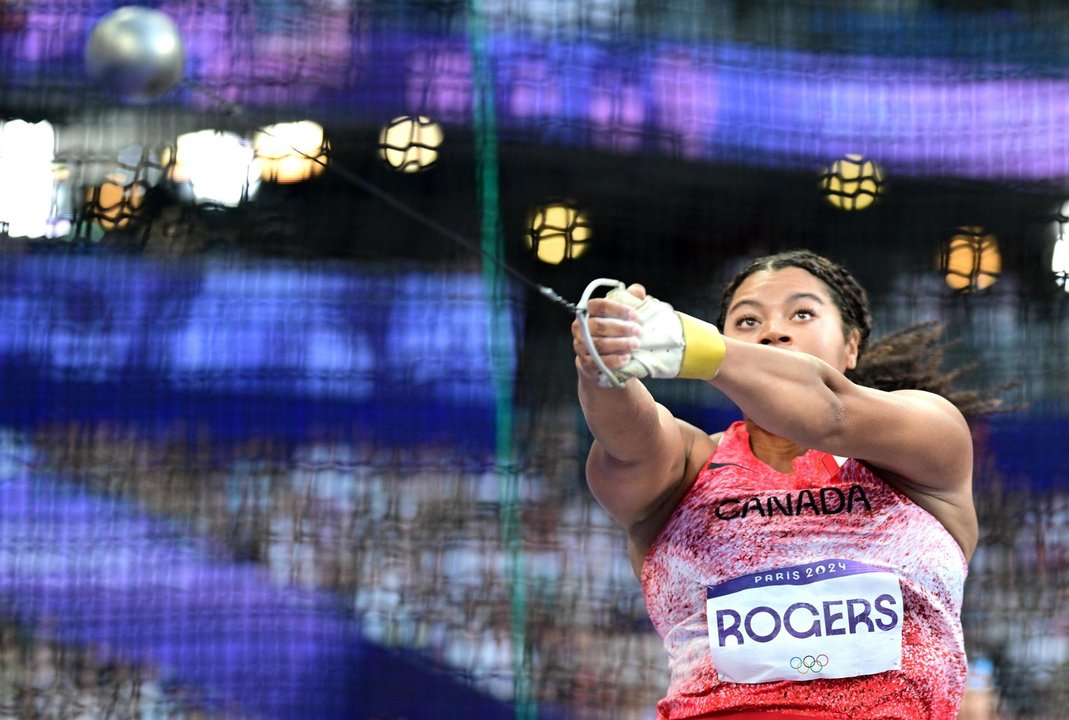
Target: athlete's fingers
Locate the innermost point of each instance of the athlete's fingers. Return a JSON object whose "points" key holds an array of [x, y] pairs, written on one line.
{"points": [[607, 346], [607, 327], [604, 307], [614, 362], [613, 328], [587, 368]]}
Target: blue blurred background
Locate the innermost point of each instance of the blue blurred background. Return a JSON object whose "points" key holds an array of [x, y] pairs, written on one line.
{"points": [[308, 446]]}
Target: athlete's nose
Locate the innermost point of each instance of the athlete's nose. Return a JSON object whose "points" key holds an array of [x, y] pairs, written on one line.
{"points": [[773, 335]]}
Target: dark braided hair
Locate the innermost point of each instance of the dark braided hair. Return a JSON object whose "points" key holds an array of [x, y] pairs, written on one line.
{"points": [[910, 358]]}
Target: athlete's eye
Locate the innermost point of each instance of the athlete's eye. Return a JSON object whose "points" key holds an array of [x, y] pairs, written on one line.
{"points": [[746, 322], [804, 314]]}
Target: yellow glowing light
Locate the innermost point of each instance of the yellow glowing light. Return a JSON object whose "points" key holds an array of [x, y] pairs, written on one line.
{"points": [[410, 144], [114, 203], [852, 183], [971, 260], [291, 152], [558, 232]]}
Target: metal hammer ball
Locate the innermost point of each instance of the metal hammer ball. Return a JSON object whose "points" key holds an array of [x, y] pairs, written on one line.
{"points": [[136, 53]]}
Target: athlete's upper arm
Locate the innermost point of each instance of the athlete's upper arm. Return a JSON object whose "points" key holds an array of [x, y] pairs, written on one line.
{"points": [[630, 492], [919, 436]]}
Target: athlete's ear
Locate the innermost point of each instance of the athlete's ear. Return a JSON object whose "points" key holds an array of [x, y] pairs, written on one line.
{"points": [[853, 341]]}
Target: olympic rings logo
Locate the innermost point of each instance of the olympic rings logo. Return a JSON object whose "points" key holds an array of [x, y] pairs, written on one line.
{"points": [[809, 663]]}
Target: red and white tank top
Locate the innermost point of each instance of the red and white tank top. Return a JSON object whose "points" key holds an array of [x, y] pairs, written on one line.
{"points": [[824, 592]]}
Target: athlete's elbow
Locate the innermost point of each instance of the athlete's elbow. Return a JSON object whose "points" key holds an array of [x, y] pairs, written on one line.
{"points": [[602, 461], [830, 421]]}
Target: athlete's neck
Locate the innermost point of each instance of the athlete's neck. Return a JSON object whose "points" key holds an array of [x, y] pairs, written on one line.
{"points": [[773, 450]]}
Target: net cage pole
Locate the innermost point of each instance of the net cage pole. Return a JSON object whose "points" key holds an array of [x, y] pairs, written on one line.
{"points": [[499, 334]]}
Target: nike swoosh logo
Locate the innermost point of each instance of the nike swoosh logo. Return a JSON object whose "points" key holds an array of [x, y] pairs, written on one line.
{"points": [[718, 465]]}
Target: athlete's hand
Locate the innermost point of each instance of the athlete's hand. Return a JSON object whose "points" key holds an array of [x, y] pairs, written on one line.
{"points": [[666, 343], [615, 330]]}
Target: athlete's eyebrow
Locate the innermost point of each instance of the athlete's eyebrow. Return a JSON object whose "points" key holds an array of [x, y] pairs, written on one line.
{"points": [[745, 301], [790, 301], [805, 296]]}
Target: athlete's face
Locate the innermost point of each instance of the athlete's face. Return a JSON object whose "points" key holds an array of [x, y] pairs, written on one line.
{"points": [[793, 310]]}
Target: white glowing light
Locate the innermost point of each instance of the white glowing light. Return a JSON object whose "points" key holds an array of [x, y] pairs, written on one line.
{"points": [[291, 152], [217, 167], [29, 180], [1059, 259]]}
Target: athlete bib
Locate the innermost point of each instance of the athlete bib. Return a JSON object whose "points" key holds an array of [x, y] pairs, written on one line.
{"points": [[827, 619]]}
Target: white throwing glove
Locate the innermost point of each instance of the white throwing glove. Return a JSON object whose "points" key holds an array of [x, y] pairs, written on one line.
{"points": [[673, 344]]}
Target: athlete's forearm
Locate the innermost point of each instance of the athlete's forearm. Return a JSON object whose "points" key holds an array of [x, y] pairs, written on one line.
{"points": [[624, 421], [788, 393]]}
